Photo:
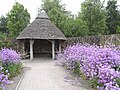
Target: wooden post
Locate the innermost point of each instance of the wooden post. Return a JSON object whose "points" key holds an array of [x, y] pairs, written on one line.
{"points": [[60, 46], [53, 50], [23, 48], [31, 49]]}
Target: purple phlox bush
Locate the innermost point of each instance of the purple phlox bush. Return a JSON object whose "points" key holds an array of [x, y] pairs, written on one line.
{"points": [[98, 58], [97, 61], [101, 62], [107, 76], [4, 79], [72, 54], [10, 56]]}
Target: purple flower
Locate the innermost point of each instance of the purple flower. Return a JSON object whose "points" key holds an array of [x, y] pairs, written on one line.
{"points": [[10, 56], [3, 80]]}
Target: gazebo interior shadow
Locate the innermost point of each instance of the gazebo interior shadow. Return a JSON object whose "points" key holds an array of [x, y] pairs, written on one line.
{"points": [[41, 49]]}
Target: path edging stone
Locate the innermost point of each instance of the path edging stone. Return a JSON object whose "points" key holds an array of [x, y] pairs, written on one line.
{"points": [[21, 78]]}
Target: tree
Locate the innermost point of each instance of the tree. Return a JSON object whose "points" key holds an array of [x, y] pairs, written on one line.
{"points": [[57, 13], [3, 24], [82, 28], [17, 19], [76, 27], [94, 16], [118, 17], [112, 16]]}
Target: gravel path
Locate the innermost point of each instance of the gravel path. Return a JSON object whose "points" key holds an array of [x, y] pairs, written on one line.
{"points": [[46, 75]]}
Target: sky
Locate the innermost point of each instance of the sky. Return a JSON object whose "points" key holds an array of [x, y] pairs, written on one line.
{"points": [[33, 5]]}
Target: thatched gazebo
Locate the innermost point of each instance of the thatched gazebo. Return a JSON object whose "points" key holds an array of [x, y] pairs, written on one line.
{"points": [[40, 37]]}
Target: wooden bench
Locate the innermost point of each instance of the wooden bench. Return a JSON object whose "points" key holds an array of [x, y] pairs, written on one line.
{"points": [[24, 56]]}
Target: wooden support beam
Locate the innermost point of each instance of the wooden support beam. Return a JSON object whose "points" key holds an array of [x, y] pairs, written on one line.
{"points": [[53, 50], [60, 46], [23, 47], [31, 49]]}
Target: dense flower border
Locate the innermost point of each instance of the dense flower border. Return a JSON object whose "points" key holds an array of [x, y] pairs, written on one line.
{"points": [[96, 62]]}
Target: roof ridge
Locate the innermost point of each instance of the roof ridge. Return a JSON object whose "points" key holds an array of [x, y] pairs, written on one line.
{"points": [[42, 15]]}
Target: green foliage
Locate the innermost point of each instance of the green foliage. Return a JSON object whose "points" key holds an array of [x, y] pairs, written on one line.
{"points": [[94, 83], [118, 19], [94, 16], [17, 19], [118, 30], [13, 69], [2, 35], [118, 81], [112, 16], [3, 42], [76, 69], [76, 27], [3, 24]]}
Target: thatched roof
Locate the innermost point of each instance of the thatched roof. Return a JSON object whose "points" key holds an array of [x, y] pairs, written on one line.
{"points": [[41, 28]]}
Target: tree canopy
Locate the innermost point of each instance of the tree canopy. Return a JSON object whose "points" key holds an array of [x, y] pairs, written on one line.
{"points": [[94, 16], [3, 24], [112, 16], [17, 19]]}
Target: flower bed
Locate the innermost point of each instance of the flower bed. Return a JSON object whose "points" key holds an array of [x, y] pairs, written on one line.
{"points": [[11, 62], [97, 63]]}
